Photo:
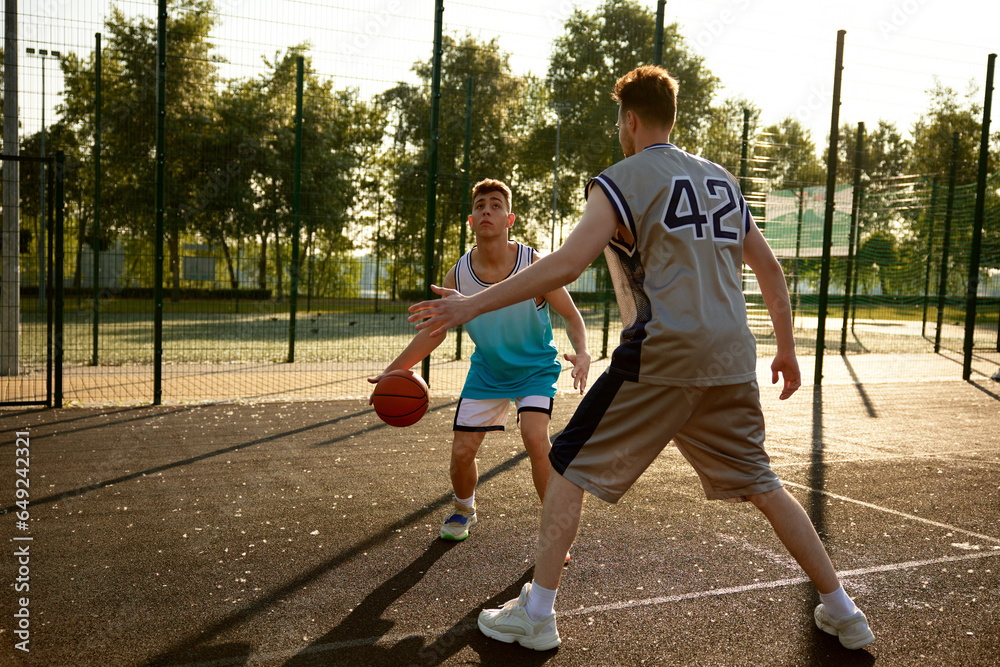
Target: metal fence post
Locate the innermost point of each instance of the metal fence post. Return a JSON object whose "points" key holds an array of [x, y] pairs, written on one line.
{"points": [[296, 207], [161, 163], [10, 265], [95, 244], [661, 6], [465, 192], [432, 167], [831, 186], [930, 252], [972, 291], [855, 214], [946, 242], [57, 277]]}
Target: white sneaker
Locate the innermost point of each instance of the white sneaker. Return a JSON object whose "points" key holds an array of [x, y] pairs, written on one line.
{"points": [[853, 631], [511, 623], [456, 526]]}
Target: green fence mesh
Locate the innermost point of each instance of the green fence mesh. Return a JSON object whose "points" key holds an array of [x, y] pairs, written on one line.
{"points": [[239, 257]]}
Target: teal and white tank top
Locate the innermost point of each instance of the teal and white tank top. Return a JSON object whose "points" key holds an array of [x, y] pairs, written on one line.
{"points": [[515, 352]]}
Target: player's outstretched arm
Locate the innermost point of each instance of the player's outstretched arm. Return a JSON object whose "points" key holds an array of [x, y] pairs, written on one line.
{"points": [[562, 267], [771, 279], [419, 347]]}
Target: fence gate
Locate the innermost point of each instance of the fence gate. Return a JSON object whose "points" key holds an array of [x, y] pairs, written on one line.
{"points": [[31, 288]]}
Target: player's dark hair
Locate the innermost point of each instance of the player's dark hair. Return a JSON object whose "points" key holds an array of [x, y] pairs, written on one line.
{"points": [[488, 185], [650, 92]]}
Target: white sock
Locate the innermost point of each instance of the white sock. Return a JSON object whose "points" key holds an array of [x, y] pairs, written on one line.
{"points": [[466, 502], [838, 604], [541, 602]]}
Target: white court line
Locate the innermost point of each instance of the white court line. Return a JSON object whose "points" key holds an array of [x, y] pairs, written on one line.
{"points": [[896, 512], [617, 606], [889, 457], [450, 635]]}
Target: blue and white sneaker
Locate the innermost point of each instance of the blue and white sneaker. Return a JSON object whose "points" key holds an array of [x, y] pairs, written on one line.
{"points": [[456, 526]]}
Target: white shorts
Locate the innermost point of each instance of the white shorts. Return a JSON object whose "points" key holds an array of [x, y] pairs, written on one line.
{"points": [[490, 414]]}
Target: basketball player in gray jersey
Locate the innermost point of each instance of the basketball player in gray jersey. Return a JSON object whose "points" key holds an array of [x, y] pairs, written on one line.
{"points": [[676, 231]]}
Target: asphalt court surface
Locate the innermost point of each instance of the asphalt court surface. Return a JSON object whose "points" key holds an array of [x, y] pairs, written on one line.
{"points": [[306, 534]]}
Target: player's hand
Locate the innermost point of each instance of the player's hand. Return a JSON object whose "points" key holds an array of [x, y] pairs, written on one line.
{"points": [[442, 314], [787, 366], [581, 368], [374, 380]]}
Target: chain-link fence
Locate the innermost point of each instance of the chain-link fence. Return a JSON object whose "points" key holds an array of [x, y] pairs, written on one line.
{"points": [[270, 246]]}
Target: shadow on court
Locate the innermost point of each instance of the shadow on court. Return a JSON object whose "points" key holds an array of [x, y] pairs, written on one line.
{"points": [[367, 616], [367, 620]]}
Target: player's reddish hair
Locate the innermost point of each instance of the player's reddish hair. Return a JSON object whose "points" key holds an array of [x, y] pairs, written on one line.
{"points": [[650, 92], [488, 185]]}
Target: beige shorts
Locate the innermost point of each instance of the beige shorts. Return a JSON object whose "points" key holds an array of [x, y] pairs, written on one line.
{"points": [[490, 414], [621, 427]]}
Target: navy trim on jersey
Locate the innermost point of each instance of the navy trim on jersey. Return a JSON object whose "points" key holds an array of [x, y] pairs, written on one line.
{"points": [[654, 146], [584, 423], [745, 210], [472, 271], [458, 274], [624, 213]]}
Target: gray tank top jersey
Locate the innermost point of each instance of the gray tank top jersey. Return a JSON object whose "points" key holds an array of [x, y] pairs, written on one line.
{"points": [[677, 271]]}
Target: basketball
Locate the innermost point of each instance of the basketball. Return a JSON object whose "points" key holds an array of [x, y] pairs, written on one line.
{"points": [[400, 398]]}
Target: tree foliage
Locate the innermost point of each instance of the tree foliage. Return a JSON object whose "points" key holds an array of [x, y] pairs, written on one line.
{"points": [[786, 157], [506, 112], [231, 157], [230, 144], [593, 51]]}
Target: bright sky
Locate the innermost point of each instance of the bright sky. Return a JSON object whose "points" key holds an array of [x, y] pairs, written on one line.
{"points": [[778, 53]]}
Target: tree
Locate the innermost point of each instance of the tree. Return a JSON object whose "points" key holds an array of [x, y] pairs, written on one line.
{"points": [[886, 192], [224, 205], [724, 135], [887, 154], [593, 52], [129, 117], [786, 157], [338, 132], [951, 112], [77, 204], [506, 111], [878, 259]]}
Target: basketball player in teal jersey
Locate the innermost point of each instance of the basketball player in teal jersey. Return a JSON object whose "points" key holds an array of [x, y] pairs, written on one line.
{"points": [[515, 357], [676, 231]]}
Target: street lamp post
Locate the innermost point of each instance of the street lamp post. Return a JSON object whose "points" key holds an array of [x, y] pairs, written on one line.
{"points": [[43, 54]]}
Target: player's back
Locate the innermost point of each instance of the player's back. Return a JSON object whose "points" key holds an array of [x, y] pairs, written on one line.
{"points": [[677, 269]]}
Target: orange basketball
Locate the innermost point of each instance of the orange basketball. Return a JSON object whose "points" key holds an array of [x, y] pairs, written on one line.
{"points": [[400, 398]]}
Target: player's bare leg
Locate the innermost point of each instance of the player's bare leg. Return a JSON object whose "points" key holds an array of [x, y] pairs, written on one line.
{"points": [[464, 476], [530, 620], [560, 523], [535, 435], [464, 471], [797, 533], [836, 614]]}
